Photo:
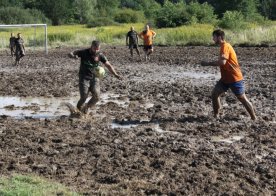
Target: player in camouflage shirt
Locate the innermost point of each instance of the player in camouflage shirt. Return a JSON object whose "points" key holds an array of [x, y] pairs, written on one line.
{"points": [[88, 82], [132, 41], [19, 48]]}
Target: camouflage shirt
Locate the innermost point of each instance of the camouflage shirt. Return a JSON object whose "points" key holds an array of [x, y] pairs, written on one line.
{"points": [[133, 36], [89, 61], [19, 42]]}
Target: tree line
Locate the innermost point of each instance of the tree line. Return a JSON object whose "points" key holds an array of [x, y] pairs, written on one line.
{"points": [[161, 13]]}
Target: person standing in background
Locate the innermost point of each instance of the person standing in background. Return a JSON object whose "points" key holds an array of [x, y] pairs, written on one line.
{"points": [[19, 48], [132, 41], [147, 35], [12, 44]]}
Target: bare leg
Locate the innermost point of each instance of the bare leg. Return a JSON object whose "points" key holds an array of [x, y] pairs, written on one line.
{"points": [[216, 93], [248, 106]]}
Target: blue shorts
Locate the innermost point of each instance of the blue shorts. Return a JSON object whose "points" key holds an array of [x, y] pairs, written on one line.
{"points": [[236, 87]]}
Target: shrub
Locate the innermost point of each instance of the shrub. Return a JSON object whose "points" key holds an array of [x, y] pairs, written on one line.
{"points": [[202, 13], [232, 20], [15, 15], [129, 16], [171, 15], [100, 21]]}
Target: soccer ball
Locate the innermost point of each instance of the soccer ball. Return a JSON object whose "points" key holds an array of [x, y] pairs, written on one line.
{"points": [[100, 72]]}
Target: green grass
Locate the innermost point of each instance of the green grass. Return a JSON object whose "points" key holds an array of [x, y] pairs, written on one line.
{"points": [[80, 35], [22, 185]]}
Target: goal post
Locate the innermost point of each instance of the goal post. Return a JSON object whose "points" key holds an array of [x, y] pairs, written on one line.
{"points": [[31, 25]]}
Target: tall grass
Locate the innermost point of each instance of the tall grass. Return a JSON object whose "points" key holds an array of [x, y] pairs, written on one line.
{"points": [[80, 35], [31, 185]]}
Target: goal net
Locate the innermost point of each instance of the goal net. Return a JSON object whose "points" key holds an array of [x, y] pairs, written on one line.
{"points": [[34, 36]]}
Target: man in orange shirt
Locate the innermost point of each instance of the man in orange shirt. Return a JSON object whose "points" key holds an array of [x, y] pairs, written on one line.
{"points": [[231, 75], [147, 35]]}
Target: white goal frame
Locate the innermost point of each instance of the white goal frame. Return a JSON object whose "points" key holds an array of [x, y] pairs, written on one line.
{"points": [[31, 25]]}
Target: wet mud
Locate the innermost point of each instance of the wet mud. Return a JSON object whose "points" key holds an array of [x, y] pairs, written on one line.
{"points": [[151, 134]]}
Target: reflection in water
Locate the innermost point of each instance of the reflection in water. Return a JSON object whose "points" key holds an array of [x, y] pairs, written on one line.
{"points": [[227, 140], [47, 107]]}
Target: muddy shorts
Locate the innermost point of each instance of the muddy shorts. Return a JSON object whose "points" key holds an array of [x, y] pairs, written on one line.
{"points": [[148, 47], [19, 54], [236, 87], [86, 86], [132, 46]]}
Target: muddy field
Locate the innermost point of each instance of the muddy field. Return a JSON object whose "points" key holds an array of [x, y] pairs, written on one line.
{"points": [[152, 134]]}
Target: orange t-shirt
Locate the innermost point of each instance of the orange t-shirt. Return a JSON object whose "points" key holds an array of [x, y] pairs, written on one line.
{"points": [[230, 72], [147, 36]]}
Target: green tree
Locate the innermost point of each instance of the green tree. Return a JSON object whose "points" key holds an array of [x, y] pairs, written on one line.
{"points": [[171, 15], [202, 13], [107, 8], [84, 10], [267, 8], [17, 15], [58, 11]]}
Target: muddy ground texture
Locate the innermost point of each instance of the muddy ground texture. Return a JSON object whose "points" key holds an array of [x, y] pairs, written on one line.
{"points": [[175, 148]]}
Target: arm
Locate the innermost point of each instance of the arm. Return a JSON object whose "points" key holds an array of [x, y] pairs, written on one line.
{"points": [[221, 61], [127, 39], [137, 39], [73, 54], [153, 34], [112, 70], [140, 35]]}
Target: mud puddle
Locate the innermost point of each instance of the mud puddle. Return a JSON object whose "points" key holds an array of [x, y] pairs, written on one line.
{"points": [[152, 125], [48, 107], [229, 140]]}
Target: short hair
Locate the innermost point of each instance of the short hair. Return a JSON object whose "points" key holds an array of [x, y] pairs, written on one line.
{"points": [[95, 43], [218, 33]]}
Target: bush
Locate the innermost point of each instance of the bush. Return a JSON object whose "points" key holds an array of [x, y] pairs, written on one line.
{"points": [[201, 13], [171, 15], [100, 21], [129, 16], [232, 20], [15, 15]]}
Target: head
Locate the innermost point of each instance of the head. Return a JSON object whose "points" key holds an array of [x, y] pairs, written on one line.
{"points": [[147, 27], [19, 35], [218, 36], [132, 28], [95, 46], [12, 35]]}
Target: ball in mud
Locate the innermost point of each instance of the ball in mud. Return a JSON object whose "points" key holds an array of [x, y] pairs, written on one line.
{"points": [[100, 72]]}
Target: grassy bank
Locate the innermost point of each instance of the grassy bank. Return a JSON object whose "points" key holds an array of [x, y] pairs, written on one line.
{"points": [[79, 35], [31, 185]]}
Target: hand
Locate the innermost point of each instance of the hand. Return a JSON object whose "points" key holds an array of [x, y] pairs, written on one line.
{"points": [[204, 63], [71, 55], [119, 77]]}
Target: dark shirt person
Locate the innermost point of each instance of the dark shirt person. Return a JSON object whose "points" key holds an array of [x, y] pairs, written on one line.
{"points": [[19, 48], [12, 44], [132, 41], [90, 59]]}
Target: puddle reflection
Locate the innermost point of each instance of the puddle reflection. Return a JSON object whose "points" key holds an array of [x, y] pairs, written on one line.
{"points": [[229, 140], [48, 107]]}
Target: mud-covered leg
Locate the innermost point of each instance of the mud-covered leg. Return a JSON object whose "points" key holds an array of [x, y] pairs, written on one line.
{"points": [[95, 90], [248, 106], [216, 93], [84, 91]]}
